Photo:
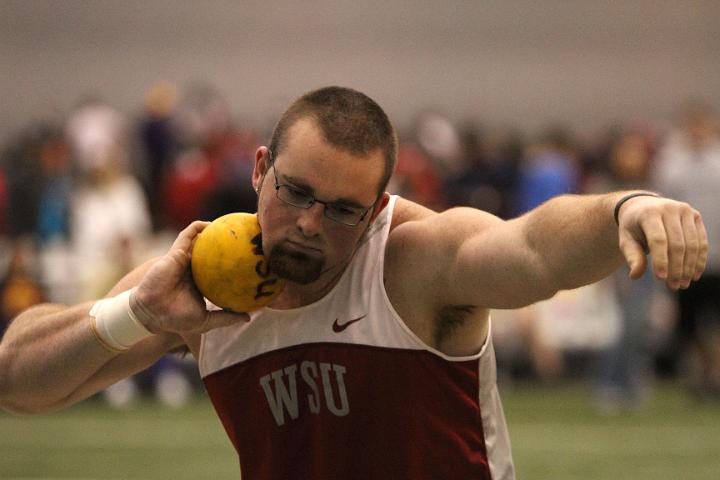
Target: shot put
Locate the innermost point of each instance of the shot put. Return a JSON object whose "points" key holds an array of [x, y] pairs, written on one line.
{"points": [[229, 267]]}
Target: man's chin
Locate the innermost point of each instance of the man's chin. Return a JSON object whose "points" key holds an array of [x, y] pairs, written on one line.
{"points": [[293, 266]]}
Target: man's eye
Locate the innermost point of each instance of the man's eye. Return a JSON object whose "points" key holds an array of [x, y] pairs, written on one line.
{"points": [[339, 209], [297, 193]]}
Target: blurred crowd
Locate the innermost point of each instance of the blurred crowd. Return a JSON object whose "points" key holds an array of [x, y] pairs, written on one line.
{"points": [[86, 199]]}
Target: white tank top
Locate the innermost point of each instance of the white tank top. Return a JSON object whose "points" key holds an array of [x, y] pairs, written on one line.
{"points": [[342, 388]]}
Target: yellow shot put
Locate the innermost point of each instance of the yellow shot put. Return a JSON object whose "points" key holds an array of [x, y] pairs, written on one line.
{"points": [[229, 267]]}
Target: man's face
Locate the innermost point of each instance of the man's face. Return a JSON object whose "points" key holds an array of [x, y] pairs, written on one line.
{"points": [[303, 245]]}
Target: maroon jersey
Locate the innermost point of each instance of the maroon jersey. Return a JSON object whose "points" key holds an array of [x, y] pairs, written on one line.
{"points": [[342, 388]]}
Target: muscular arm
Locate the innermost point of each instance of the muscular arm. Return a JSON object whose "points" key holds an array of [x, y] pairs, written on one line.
{"points": [[473, 258], [50, 358]]}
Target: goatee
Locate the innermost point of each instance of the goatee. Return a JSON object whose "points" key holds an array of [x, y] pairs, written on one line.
{"points": [[294, 266]]}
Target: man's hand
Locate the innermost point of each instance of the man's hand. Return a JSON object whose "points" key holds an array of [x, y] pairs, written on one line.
{"points": [[672, 233], [166, 300]]}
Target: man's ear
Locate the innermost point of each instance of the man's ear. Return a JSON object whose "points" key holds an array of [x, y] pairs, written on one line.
{"points": [[262, 165], [379, 206]]}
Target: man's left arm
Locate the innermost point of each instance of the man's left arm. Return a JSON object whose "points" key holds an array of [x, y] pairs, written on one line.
{"points": [[474, 258], [581, 241]]}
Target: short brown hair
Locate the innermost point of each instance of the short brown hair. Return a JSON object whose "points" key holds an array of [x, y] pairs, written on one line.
{"points": [[348, 119]]}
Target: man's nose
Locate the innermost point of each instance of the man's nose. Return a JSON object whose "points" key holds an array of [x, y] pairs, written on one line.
{"points": [[311, 219]]}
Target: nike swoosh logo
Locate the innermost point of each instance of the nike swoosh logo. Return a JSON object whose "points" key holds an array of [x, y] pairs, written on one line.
{"points": [[337, 327]]}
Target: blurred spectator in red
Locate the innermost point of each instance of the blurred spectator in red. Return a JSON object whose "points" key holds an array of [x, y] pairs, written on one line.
{"points": [[688, 169], [235, 156], [187, 188], [427, 158], [416, 178], [210, 175]]}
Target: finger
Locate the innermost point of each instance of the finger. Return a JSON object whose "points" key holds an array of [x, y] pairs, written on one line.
{"points": [[702, 246], [185, 238], [657, 243], [223, 318], [675, 249], [691, 249], [179, 252], [634, 254]]}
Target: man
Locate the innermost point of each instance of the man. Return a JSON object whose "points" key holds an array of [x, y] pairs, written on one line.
{"points": [[376, 360]]}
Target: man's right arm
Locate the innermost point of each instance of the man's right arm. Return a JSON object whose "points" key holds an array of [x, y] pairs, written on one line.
{"points": [[51, 355], [50, 358]]}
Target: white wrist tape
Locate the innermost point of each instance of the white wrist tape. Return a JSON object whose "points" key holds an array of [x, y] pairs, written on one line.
{"points": [[115, 324]]}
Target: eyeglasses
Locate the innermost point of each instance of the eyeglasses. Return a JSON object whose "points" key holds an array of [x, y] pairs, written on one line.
{"points": [[335, 211]]}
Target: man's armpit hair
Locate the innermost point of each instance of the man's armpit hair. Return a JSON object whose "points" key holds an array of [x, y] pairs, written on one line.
{"points": [[450, 318]]}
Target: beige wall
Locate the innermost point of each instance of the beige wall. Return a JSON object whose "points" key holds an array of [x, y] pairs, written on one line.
{"points": [[506, 62]]}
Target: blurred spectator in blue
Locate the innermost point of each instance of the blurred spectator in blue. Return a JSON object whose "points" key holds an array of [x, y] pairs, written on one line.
{"points": [[39, 174], [54, 206], [549, 169], [474, 184], [688, 169], [507, 156], [487, 177]]}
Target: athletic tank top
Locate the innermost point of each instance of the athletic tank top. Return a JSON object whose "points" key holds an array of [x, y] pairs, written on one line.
{"points": [[342, 389]]}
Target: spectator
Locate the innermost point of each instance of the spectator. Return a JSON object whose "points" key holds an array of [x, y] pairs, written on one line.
{"points": [[109, 211], [689, 169], [623, 367], [21, 162], [158, 141], [475, 184], [19, 286], [549, 170]]}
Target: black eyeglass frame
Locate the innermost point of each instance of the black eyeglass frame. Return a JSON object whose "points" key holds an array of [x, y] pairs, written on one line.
{"points": [[310, 200]]}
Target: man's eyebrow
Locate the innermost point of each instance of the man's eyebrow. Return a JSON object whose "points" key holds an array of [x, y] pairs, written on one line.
{"points": [[296, 182]]}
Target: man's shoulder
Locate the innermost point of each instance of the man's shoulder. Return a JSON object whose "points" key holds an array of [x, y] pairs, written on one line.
{"points": [[408, 211]]}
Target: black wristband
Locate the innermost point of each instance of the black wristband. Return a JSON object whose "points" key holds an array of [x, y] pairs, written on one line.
{"points": [[628, 197]]}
